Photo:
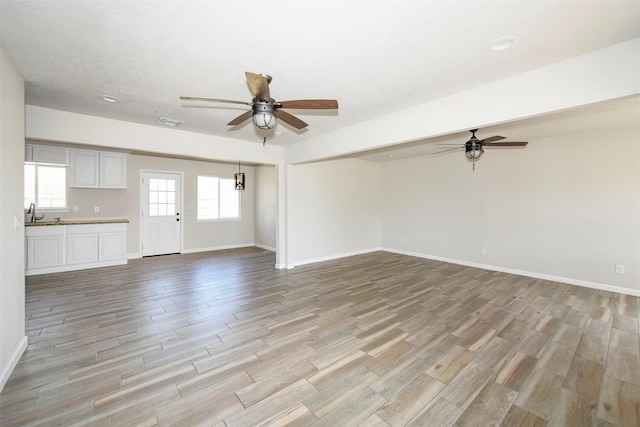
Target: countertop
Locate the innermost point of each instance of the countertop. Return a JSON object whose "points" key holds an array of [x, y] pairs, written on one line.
{"points": [[76, 222]]}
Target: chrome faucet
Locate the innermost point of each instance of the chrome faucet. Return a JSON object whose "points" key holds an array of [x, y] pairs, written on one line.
{"points": [[32, 211]]}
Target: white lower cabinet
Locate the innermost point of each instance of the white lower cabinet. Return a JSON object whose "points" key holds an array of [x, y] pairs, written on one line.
{"points": [[82, 247], [45, 248], [112, 246], [59, 248]]}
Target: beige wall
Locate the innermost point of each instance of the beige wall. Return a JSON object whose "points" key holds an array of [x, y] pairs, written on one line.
{"points": [[334, 209], [565, 208], [266, 207], [12, 294]]}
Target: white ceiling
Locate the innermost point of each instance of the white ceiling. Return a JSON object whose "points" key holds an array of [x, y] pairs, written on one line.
{"points": [[374, 57]]}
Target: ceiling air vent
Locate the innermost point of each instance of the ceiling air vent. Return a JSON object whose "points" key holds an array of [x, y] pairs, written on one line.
{"points": [[170, 122]]}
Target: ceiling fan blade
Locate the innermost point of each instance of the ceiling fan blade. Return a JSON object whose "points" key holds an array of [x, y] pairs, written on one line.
{"points": [[241, 118], [193, 98], [259, 86], [506, 144], [491, 139], [291, 120], [448, 149], [310, 104]]}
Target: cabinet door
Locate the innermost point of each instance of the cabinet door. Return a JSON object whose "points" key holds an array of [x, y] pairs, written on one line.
{"points": [[113, 170], [82, 248], [84, 169], [44, 154], [113, 246], [45, 251]]}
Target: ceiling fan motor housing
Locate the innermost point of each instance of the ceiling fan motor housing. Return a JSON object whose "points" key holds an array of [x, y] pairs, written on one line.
{"points": [[264, 114]]}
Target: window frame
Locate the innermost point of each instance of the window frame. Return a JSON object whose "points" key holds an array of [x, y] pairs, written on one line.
{"points": [[219, 218]]}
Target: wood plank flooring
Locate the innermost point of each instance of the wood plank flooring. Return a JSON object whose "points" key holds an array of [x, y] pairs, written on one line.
{"points": [[225, 339]]}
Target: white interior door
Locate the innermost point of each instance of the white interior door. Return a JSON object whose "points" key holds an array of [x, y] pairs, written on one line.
{"points": [[161, 219]]}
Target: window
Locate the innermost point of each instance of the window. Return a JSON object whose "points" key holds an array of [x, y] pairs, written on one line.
{"points": [[46, 186], [217, 198]]}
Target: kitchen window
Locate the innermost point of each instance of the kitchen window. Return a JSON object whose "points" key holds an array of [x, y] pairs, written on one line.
{"points": [[217, 198], [46, 186]]}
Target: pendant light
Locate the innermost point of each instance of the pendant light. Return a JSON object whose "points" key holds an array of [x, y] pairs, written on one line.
{"points": [[239, 179]]}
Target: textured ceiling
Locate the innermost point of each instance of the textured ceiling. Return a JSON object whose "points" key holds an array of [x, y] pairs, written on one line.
{"points": [[375, 57]]}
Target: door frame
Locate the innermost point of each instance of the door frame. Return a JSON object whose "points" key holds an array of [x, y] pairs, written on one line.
{"points": [[141, 198]]}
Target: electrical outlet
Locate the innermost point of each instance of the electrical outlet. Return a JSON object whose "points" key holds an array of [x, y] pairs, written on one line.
{"points": [[619, 269], [96, 209], [484, 251], [76, 209]]}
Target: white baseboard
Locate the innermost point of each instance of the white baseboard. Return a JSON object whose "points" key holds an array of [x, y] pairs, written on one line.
{"points": [[535, 275], [331, 257], [15, 358], [136, 255], [266, 248], [217, 248]]}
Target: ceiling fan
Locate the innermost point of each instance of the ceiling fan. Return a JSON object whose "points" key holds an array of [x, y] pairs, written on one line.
{"points": [[473, 148], [265, 110]]}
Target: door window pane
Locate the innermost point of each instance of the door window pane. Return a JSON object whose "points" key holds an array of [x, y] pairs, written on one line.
{"points": [[162, 197]]}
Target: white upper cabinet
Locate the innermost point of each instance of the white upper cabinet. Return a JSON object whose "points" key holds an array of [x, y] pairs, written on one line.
{"points": [[98, 169], [113, 170], [46, 154], [85, 169]]}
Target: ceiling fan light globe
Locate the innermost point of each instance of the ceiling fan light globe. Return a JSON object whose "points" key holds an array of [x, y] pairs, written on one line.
{"points": [[264, 120], [474, 153]]}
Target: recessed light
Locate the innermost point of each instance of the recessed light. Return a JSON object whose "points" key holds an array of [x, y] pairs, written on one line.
{"points": [[170, 122], [109, 98], [502, 43]]}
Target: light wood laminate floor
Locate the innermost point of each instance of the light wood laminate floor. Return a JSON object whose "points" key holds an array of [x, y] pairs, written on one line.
{"points": [[381, 339]]}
